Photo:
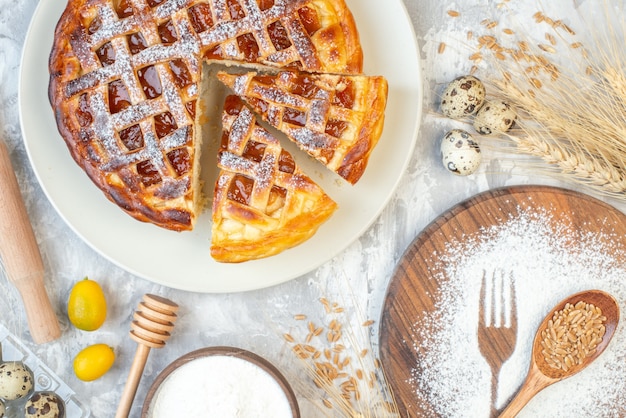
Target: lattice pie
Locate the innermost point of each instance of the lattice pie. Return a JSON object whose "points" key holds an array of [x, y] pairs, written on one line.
{"points": [[126, 77], [124, 83]]}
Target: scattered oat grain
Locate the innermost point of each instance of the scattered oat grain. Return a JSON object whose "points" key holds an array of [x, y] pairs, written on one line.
{"points": [[547, 48], [476, 56]]}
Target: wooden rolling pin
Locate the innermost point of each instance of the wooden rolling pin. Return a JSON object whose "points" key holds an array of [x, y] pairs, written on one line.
{"points": [[21, 258]]}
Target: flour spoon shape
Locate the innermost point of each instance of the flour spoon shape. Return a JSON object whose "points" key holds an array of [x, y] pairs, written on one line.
{"points": [[541, 373]]}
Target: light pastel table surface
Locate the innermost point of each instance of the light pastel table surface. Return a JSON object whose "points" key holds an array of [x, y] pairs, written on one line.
{"points": [[356, 278]]}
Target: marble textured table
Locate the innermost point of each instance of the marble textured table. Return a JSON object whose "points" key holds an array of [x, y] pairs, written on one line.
{"points": [[356, 278]]}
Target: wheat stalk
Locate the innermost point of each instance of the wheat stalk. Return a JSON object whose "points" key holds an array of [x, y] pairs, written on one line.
{"points": [[574, 119]]}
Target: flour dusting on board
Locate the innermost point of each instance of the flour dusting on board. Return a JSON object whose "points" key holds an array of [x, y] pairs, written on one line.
{"points": [[549, 260]]}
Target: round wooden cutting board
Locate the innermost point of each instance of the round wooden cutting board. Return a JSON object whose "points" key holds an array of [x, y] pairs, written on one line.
{"points": [[413, 290]]}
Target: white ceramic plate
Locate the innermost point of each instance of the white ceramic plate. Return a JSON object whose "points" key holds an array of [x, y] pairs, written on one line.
{"points": [[183, 260]]}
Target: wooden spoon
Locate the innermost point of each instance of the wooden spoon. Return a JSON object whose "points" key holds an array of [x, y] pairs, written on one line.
{"points": [[541, 374]]}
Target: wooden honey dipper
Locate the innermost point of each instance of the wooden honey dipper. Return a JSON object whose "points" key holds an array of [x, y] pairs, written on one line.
{"points": [[151, 327]]}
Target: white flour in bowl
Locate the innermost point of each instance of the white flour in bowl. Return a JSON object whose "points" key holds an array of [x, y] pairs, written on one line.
{"points": [[220, 386], [452, 376]]}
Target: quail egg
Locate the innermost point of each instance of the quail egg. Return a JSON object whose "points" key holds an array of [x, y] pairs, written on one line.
{"points": [[16, 380], [494, 117], [462, 97], [460, 153], [44, 405]]}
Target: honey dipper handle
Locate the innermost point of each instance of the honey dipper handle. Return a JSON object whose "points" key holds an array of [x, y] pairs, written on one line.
{"points": [[134, 376], [21, 257]]}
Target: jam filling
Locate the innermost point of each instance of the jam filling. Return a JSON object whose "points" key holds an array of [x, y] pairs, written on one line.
{"points": [[345, 97], [327, 154], [200, 17], [167, 33], [286, 164], [232, 105], [136, 43], [309, 20], [336, 128], [214, 53], [119, 99], [236, 12], [154, 3], [182, 76], [240, 189], [278, 35], [259, 104], [164, 124], [124, 9], [191, 108], [180, 161], [94, 26], [304, 86], [150, 82], [276, 199], [224, 141], [254, 151], [149, 174], [294, 117], [265, 4], [83, 113], [248, 46], [263, 79], [106, 54], [132, 137]]}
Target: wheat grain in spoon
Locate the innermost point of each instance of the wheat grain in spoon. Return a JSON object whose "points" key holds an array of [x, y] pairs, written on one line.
{"points": [[544, 370]]}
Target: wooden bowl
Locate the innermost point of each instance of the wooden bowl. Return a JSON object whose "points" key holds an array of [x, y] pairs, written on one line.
{"points": [[155, 392]]}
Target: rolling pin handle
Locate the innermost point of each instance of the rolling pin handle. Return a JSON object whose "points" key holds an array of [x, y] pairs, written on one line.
{"points": [[21, 257]]}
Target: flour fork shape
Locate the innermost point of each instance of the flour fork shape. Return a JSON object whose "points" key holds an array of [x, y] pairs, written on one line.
{"points": [[497, 325]]}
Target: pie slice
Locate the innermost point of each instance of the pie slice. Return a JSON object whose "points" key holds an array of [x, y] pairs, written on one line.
{"points": [[337, 119], [263, 204]]}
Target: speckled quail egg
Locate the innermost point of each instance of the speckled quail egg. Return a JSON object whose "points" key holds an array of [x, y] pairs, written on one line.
{"points": [[44, 405], [16, 380], [462, 97], [494, 117], [460, 153]]}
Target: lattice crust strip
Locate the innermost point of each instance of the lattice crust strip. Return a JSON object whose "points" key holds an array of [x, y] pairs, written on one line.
{"points": [[263, 203]]}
